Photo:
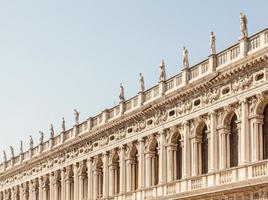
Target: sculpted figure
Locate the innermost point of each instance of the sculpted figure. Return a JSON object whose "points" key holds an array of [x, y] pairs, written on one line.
{"points": [[142, 86], [243, 25], [162, 76], [185, 59], [212, 43], [31, 142], [21, 147], [41, 139], [121, 94], [51, 131], [4, 156], [76, 116], [63, 125], [12, 151]]}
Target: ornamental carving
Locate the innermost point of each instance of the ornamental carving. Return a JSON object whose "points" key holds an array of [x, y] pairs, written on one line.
{"points": [[211, 96], [242, 83], [183, 107], [160, 117]]}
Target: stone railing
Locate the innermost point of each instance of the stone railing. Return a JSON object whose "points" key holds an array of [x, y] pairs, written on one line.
{"points": [[196, 72], [226, 177]]}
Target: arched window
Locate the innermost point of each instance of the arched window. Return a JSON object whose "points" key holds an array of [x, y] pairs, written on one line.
{"points": [[132, 169], [179, 158], [114, 173], [265, 133], [204, 150], [234, 142]]}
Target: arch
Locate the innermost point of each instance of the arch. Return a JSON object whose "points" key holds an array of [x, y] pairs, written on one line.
{"points": [[233, 138], [114, 172], [132, 167], [265, 132]]}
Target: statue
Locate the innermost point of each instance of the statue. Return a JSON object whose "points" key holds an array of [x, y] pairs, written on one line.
{"points": [[76, 114], [142, 87], [12, 151], [122, 94], [21, 147], [212, 43], [162, 76], [31, 142], [41, 139], [4, 156], [185, 59], [243, 25], [63, 125], [51, 131]]}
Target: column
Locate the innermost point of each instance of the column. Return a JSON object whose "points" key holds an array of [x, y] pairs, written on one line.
{"points": [[171, 162], [89, 179], [51, 186], [195, 161], [56, 185], [129, 174], [96, 183], [162, 157], [40, 188], [149, 169], [68, 182], [186, 165], [105, 175], [76, 182], [122, 170], [213, 143], [141, 163], [244, 132], [224, 152], [111, 179], [63, 185], [82, 176], [45, 187]]}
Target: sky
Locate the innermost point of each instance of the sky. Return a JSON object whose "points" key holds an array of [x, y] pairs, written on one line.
{"points": [[58, 55]]}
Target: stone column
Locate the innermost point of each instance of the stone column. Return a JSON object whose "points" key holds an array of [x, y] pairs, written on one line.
{"points": [[105, 175], [63, 185], [76, 182], [112, 186], [213, 143], [171, 162], [34, 189], [40, 188], [162, 157], [224, 147], [256, 137], [129, 175], [82, 178], [122, 169], [51, 186], [45, 187], [56, 185], [15, 193], [148, 180], [141, 158], [186, 156], [69, 182], [195, 159], [89, 179], [244, 132]]}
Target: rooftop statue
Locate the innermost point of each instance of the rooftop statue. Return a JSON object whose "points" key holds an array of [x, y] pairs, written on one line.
{"points": [[212, 43], [41, 139], [142, 86], [31, 142], [76, 116], [185, 59], [243, 25], [63, 125], [4, 156], [12, 151], [121, 94], [162, 66], [51, 131], [21, 147]]}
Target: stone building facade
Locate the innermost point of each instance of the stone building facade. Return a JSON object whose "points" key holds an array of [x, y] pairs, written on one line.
{"points": [[201, 134]]}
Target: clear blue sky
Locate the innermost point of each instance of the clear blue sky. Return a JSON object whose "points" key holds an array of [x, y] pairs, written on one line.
{"points": [[57, 55]]}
